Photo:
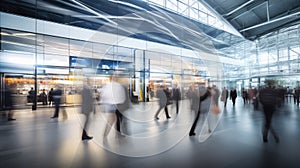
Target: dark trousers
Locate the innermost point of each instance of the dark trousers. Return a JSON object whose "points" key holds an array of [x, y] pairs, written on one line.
{"points": [[233, 101], [195, 122], [225, 102], [166, 111], [177, 106], [245, 100], [57, 104], [268, 112], [119, 116], [296, 100]]}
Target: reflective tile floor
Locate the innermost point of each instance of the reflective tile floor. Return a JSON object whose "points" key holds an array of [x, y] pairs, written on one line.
{"points": [[36, 140]]}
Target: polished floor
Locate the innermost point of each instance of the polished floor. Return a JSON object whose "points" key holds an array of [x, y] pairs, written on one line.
{"points": [[36, 140]]}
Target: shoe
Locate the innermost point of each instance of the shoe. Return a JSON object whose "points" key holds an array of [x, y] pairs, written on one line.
{"points": [[265, 140], [209, 131], [84, 136], [11, 119], [192, 134], [156, 118], [54, 117], [168, 117]]}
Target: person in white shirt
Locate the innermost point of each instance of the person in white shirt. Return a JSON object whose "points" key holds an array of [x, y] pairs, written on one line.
{"points": [[113, 94]]}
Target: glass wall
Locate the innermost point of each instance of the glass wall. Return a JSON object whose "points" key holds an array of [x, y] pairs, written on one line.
{"points": [[275, 55]]}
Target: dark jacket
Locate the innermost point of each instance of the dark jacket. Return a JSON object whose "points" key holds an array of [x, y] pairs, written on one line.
{"points": [[268, 96], [176, 94], [233, 94]]}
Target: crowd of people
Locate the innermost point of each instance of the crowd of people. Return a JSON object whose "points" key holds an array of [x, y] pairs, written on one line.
{"points": [[115, 99]]}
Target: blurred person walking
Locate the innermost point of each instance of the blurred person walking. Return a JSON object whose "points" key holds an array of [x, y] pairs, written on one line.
{"points": [[233, 95], [176, 97], [8, 103], [113, 96], [224, 96], [297, 95], [245, 95], [57, 94], [87, 106], [269, 98], [163, 100], [194, 98], [216, 95], [203, 97]]}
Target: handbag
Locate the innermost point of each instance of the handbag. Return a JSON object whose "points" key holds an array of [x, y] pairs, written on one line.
{"points": [[215, 109]]}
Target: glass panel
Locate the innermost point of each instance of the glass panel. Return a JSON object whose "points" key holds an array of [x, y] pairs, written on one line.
{"points": [[202, 7], [56, 60], [294, 53], [171, 4], [158, 2], [211, 20], [263, 58], [194, 3], [99, 50], [194, 13], [182, 8], [123, 51], [283, 54], [202, 17], [17, 41], [272, 55], [80, 48]]}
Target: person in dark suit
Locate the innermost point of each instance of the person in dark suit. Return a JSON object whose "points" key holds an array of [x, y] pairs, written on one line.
{"points": [[57, 94], [233, 95], [269, 98], [161, 95], [176, 96], [203, 97]]}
